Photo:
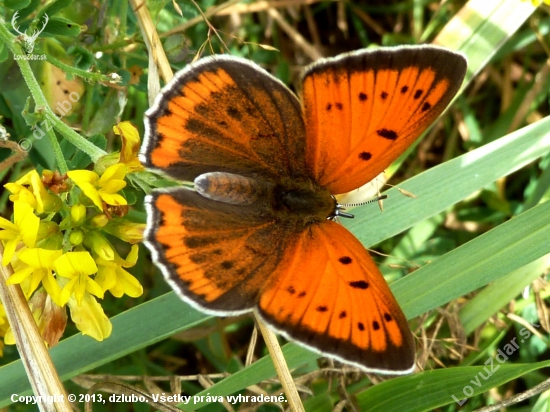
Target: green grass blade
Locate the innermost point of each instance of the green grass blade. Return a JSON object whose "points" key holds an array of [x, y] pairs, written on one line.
{"points": [[487, 302], [450, 182], [428, 390], [488, 257]]}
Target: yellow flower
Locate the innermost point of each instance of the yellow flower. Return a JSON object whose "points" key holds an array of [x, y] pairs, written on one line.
{"points": [[3, 318], [111, 275], [539, 2], [89, 317], [4, 326], [130, 146], [128, 155], [77, 267], [23, 229], [31, 190], [39, 269], [102, 189]]}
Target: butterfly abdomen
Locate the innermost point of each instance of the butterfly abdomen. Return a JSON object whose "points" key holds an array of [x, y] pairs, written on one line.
{"points": [[231, 188]]}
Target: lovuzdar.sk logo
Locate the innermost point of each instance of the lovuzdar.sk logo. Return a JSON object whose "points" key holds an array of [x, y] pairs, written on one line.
{"points": [[28, 40]]}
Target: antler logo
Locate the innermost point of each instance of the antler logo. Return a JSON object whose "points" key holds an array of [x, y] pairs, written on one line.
{"points": [[28, 41]]}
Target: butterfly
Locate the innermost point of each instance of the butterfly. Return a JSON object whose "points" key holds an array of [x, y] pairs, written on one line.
{"points": [[258, 232]]}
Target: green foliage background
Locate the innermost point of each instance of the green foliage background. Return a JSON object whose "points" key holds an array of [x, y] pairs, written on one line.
{"points": [[461, 252]]}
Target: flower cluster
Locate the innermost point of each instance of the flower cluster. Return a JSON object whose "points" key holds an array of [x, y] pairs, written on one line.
{"points": [[58, 242]]}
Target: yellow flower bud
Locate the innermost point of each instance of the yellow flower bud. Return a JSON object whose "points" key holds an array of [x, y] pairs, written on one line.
{"points": [[76, 237], [78, 214], [99, 220]]}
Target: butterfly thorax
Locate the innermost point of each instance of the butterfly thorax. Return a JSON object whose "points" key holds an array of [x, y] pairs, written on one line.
{"points": [[286, 198]]}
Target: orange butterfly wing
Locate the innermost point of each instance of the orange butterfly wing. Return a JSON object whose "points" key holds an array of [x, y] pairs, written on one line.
{"points": [[224, 114], [212, 253], [363, 109], [328, 294]]}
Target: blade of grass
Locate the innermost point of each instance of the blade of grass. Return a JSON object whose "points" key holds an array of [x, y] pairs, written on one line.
{"points": [[449, 183], [487, 302], [429, 390]]}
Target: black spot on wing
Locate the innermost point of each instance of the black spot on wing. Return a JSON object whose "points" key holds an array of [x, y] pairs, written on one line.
{"points": [[359, 284], [418, 93], [365, 156], [404, 89], [387, 134], [345, 260], [375, 325], [362, 96], [426, 106], [321, 309], [194, 242], [384, 95], [234, 113], [199, 258]]}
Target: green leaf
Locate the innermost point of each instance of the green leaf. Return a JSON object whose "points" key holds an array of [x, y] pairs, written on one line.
{"points": [[55, 6], [59, 26], [3, 53], [16, 4], [428, 390]]}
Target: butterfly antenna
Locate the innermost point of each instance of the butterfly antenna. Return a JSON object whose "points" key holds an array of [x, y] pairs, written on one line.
{"points": [[341, 207]]}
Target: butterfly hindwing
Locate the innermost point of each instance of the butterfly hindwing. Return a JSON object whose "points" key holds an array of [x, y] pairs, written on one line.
{"points": [[225, 114], [213, 253], [329, 295], [377, 102]]}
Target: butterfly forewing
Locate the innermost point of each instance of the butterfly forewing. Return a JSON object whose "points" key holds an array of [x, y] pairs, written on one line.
{"points": [[225, 115], [212, 252], [329, 295], [363, 109]]}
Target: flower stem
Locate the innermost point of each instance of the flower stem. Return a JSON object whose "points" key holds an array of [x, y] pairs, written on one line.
{"points": [[80, 142]]}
